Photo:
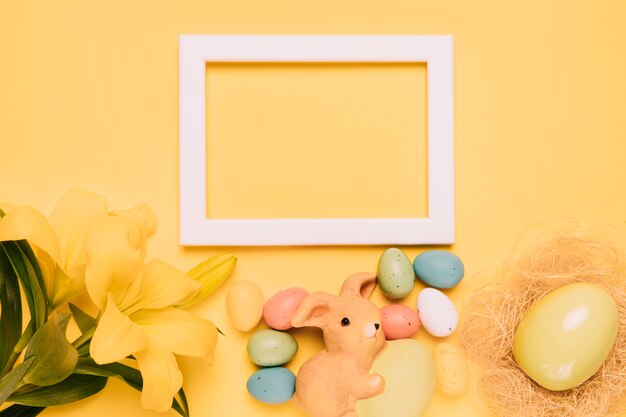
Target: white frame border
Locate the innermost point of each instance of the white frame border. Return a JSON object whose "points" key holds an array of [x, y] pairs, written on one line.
{"points": [[434, 50]]}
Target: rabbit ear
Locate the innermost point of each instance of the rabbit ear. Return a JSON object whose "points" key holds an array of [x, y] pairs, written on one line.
{"points": [[312, 310], [361, 283]]}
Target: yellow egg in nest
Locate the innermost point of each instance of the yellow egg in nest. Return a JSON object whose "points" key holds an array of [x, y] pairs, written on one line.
{"points": [[566, 336]]}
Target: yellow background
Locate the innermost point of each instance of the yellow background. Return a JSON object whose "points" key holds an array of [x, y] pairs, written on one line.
{"points": [[88, 97], [317, 140]]}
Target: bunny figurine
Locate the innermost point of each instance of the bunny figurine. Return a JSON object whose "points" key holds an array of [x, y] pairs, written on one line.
{"points": [[330, 383]]}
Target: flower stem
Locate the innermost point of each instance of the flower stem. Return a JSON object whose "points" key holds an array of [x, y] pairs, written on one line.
{"points": [[19, 347], [87, 334], [84, 338]]}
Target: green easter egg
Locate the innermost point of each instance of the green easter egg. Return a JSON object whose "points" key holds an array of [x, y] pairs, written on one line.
{"points": [[410, 378], [271, 347], [395, 274]]}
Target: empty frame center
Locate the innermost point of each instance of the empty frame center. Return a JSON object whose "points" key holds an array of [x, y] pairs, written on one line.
{"points": [[324, 140]]}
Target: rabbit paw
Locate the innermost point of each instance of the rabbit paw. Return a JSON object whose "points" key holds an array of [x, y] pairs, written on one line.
{"points": [[375, 385], [377, 381]]}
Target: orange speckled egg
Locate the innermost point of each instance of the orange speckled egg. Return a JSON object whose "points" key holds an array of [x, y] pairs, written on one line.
{"points": [[399, 322], [281, 307]]}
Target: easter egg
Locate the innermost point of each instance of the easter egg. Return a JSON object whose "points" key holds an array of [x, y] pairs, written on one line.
{"points": [[409, 373], [244, 304], [453, 374], [439, 268], [272, 385], [280, 308], [566, 336], [399, 322], [271, 347], [437, 313], [395, 274]]}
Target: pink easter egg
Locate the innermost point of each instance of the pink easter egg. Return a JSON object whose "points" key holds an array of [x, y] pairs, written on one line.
{"points": [[399, 322], [280, 308]]}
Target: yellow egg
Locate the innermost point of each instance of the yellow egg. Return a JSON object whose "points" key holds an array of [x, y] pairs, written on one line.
{"points": [[409, 373], [244, 304], [453, 374], [566, 336]]}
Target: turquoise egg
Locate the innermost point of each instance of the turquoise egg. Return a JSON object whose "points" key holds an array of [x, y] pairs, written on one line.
{"points": [[272, 385], [395, 274], [439, 268], [271, 347]]}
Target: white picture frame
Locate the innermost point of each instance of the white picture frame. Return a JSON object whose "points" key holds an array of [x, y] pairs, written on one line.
{"points": [[195, 51]]}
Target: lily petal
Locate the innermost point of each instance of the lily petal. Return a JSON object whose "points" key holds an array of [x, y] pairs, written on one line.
{"points": [[161, 378], [142, 215], [114, 249], [71, 218], [178, 331], [65, 288], [27, 223], [116, 336], [48, 268], [162, 285]]}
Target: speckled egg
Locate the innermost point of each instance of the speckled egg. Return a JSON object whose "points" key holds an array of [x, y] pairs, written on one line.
{"points": [[271, 348], [453, 375], [280, 308], [244, 304], [272, 385], [399, 322], [437, 313], [395, 276], [439, 269]]}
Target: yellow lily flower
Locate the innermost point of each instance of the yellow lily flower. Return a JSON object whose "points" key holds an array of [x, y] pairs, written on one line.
{"points": [[58, 241], [136, 300]]}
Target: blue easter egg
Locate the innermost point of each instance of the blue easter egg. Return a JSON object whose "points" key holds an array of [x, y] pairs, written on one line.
{"points": [[438, 268], [272, 385]]}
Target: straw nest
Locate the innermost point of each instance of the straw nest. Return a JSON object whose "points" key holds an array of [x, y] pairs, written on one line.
{"points": [[495, 310]]}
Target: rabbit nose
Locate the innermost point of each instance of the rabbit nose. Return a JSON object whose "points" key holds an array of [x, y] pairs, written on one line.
{"points": [[377, 326], [370, 330]]}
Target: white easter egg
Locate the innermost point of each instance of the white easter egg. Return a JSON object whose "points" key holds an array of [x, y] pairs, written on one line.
{"points": [[437, 313]]}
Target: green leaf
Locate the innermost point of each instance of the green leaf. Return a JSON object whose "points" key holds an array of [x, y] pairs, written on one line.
{"points": [[128, 374], [83, 320], [9, 382], [178, 408], [27, 251], [84, 349], [17, 410], [55, 357], [29, 280], [71, 389], [184, 406], [11, 306]]}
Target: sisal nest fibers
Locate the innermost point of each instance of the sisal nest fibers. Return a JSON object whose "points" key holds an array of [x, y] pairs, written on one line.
{"points": [[496, 309]]}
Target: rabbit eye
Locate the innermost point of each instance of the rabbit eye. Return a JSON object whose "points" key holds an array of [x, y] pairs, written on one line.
{"points": [[345, 322]]}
